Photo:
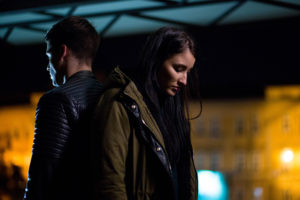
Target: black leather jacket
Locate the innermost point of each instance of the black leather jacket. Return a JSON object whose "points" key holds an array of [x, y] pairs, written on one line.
{"points": [[59, 167]]}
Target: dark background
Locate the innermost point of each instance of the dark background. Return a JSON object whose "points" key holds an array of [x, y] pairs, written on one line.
{"points": [[236, 61]]}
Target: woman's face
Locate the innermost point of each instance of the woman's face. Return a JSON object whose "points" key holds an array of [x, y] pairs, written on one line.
{"points": [[172, 76]]}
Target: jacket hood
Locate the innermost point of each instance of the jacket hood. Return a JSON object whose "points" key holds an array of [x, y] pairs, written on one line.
{"points": [[118, 79]]}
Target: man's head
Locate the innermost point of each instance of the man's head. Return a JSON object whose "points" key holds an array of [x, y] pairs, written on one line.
{"points": [[76, 35]]}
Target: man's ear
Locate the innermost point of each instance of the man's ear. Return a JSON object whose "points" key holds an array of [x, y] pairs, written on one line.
{"points": [[64, 52]]}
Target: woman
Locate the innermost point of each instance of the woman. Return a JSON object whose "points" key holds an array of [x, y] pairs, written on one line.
{"points": [[143, 148]]}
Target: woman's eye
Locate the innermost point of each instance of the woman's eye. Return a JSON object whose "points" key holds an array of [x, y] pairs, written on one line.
{"points": [[179, 68]]}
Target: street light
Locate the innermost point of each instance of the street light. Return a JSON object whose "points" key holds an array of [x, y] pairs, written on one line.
{"points": [[287, 156]]}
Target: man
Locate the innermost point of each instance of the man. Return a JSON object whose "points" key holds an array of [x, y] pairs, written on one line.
{"points": [[59, 167]]}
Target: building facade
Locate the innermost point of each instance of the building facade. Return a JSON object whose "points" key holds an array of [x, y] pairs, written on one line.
{"points": [[255, 143], [16, 137]]}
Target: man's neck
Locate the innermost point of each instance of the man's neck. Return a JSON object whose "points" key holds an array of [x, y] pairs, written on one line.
{"points": [[74, 71], [74, 66]]}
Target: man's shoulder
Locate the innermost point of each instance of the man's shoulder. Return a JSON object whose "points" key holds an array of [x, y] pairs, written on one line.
{"points": [[73, 88], [54, 92], [80, 86], [54, 96], [80, 93]]}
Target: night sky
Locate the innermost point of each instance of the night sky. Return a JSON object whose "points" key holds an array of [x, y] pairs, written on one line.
{"points": [[235, 61]]}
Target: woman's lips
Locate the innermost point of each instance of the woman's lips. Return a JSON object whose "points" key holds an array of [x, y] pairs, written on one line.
{"points": [[175, 89]]}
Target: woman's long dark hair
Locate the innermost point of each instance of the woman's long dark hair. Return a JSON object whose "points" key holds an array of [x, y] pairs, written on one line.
{"points": [[171, 113]]}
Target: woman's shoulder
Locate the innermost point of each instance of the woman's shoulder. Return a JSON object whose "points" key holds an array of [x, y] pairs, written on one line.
{"points": [[110, 95], [109, 102]]}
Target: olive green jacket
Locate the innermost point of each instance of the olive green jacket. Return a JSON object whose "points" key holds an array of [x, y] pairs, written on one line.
{"points": [[130, 158]]}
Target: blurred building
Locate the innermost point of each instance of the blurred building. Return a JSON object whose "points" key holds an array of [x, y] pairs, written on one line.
{"points": [[255, 143], [16, 137]]}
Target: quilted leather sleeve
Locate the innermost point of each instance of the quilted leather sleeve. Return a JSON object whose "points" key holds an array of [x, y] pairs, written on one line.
{"points": [[54, 117]]}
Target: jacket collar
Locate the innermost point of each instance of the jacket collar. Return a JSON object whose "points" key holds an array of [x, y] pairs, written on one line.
{"points": [[122, 80], [81, 74]]}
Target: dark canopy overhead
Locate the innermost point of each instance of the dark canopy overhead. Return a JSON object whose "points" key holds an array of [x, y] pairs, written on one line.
{"points": [[25, 22]]}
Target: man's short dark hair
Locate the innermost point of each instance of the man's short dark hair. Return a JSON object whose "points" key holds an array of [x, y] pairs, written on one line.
{"points": [[77, 34]]}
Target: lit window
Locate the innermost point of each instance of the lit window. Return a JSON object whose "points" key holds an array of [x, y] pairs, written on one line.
{"points": [[254, 125], [9, 142], [286, 123], [239, 161], [215, 161], [199, 159], [239, 126], [255, 161], [286, 195], [16, 134], [200, 127], [215, 127], [238, 193]]}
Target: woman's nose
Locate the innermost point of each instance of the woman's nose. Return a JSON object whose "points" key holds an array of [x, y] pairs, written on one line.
{"points": [[183, 79], [48, 68]]}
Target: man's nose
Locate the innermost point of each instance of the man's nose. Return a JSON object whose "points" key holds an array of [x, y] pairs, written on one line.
{"points": [[48, 68]]}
